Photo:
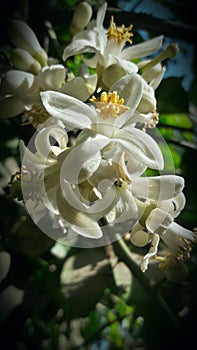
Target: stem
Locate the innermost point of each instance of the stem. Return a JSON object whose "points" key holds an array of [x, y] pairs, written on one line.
{"points": [[155, 298]]}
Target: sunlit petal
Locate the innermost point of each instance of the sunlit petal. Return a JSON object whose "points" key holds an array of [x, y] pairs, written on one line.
{"points": [[70, 110], [158, 187], [141, 145], [144, 49]]}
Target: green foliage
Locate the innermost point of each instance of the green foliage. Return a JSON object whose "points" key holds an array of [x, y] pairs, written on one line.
{"points": [[171, 96]]}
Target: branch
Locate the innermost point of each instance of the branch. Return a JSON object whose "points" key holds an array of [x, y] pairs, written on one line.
{"points": [[157, 26], [140, 21], [123, 252]]}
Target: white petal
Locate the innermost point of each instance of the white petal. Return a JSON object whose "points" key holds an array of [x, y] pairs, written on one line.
{"points": [[174, 242], [101, 15], [158, 221], [126, 208], [51, 78], [144, 49], [141, 145], [22, 60], [81, 45], [82, 223], [77, 157], [130, 88], [28, 158], [43, 142], [152, 252], [19, 83], [70, 110], [182, 232], [158, 187], [128, 67], [174, 205], [77, 88], [23, 37]]}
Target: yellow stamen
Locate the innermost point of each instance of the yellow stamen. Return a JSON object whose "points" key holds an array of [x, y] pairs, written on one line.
{"points": [[121, 34], [110, 105]]}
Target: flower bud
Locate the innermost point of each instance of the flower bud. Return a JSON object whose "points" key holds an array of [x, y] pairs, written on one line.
{"points": [[140, 238], [51, 78], [22, 60], [81, 17], [23, 37], [19, 83], [171, 51], [148, 101]]}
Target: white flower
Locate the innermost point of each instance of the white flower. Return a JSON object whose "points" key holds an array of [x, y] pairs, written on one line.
{"points": [[110, 118], [157, 222], [23, 89], [32, 71], [109, 46], [47, 194]]}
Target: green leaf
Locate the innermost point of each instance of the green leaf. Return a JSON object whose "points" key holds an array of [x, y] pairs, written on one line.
{"points": [[171, 96], [180, 120], [83, 280]]}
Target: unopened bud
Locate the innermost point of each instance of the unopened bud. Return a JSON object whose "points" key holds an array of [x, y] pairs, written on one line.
{"points": [[23, 37], [140, 238], [81, 17], [22, 60], [170, 52]]}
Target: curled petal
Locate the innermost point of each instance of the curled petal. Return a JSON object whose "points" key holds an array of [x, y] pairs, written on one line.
{"points": [[141, 145], [158, 187], [85, 155], [43, 143], [79, 46], [70, 110], [82, 223], [174, 205], [158, 221], [182, 232], [152, 252]]}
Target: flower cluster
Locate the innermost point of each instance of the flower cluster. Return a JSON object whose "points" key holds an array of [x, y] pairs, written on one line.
{"points": [[83, 174]]}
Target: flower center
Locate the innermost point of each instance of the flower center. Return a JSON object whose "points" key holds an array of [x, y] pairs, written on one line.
{"points": [[121, 34], [109, 105], [35, 116]]}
